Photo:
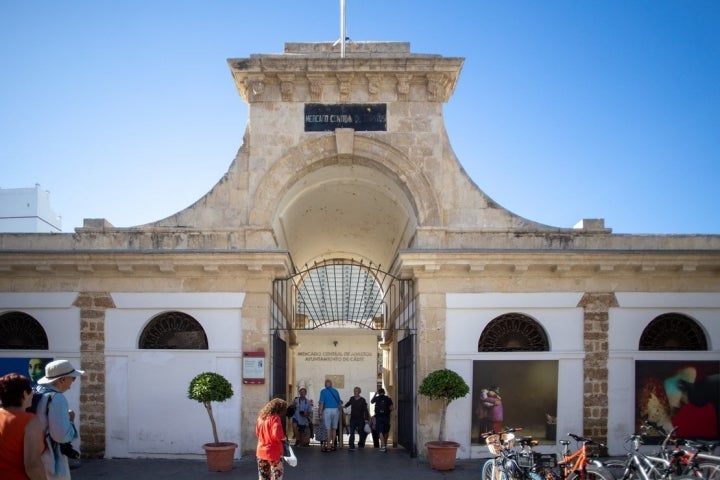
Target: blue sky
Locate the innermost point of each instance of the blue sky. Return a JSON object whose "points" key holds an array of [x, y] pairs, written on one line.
{"points": [[565, 109]]}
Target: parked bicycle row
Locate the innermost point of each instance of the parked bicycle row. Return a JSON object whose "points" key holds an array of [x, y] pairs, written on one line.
{"points": [[514, 458]]}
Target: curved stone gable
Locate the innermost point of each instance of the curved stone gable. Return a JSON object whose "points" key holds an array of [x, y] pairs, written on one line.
{"points": [[413, 153]]}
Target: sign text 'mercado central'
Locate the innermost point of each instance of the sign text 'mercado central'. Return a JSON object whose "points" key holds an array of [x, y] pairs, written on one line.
{"points": [[361, 117]]}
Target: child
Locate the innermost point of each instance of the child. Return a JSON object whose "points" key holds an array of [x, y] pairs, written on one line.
{"points": [[321, 435]]}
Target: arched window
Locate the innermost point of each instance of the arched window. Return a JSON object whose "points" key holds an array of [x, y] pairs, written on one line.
{"points": [[513, 332], [173, 330], [673, 331], [20, 331]]}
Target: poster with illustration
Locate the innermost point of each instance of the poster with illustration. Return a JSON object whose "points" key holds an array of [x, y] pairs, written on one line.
{"points": [[681, 394], [31, 367], [515, 393]]}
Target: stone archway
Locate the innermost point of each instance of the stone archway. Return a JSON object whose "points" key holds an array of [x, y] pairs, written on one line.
{"points": [[364, 201], [352, 323]]}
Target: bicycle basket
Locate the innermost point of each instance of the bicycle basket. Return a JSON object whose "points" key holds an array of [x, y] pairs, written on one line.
{"points": [[546, 460], [508, 440], [493, 444], [526, 460]]}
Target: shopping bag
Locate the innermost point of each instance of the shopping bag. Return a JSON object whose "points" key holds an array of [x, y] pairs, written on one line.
{"points": [[289, 456], [286, 448], [367, 428]]}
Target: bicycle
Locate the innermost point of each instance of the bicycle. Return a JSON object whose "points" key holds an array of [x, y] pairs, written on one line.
{"points": [[578, 465], [507, 463], [666, 464], [539, 463], [702, 463], [697, 461], [677, 458]]}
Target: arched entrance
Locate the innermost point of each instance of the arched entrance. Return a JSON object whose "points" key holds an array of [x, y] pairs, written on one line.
{"points": [[345, 297]]}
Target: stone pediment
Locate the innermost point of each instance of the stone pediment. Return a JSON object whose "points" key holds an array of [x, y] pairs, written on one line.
{"points": [[371, 71]]}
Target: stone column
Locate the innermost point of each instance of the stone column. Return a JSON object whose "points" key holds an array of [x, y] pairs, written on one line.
{"points": [[256, 336], [595, 391], [430, 355], [92, 353]]}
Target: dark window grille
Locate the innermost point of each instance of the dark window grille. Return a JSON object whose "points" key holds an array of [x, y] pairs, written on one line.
{"points": [[673, 331], [173, 330], [20, 331], [513, 332]]}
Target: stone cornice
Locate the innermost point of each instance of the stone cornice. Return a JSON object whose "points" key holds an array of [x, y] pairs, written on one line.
{"points": [[148, 263], [141, 239], [360, 77], [570, 263], [558, 239]]}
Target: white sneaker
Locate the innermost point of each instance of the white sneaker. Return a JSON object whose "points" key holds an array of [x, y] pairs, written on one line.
{"points": [[383, 449]]}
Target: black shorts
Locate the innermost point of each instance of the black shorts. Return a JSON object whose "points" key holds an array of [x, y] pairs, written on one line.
{"points": [[301, 428], [382, 424]]}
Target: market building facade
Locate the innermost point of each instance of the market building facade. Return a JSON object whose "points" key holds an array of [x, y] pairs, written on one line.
{"points": [[346, 241]]}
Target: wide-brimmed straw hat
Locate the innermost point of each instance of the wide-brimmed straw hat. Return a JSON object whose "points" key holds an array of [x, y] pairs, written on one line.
{"points": [[58, 369]]}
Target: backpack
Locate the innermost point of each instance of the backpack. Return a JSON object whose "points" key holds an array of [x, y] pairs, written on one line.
{"points": [[65, 448], [37, 396], [291, 408]]}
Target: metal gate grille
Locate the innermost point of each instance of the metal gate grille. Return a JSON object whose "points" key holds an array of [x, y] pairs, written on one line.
{"points": [[342, 294], [278, 389]]}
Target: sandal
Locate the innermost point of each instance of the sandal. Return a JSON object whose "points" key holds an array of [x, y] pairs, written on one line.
{"points": [[324, 449]]}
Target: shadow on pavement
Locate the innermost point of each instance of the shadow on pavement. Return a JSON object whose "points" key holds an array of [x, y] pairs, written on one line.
{"points": [[360, 464]]}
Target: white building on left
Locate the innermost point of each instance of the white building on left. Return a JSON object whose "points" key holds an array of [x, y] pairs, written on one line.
{"points": [[27, 210]]}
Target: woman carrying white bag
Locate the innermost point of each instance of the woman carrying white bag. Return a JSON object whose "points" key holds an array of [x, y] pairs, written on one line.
{"points": [[289, 454], [271, 440]]}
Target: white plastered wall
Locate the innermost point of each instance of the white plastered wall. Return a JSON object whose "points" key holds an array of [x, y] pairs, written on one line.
{"points": [[354, 359], [627, 322], [147, 410], [61, 321], [467, 316]]}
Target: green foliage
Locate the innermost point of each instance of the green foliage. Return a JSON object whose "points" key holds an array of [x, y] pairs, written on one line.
{"points": [[209, 387], [444, 384]]}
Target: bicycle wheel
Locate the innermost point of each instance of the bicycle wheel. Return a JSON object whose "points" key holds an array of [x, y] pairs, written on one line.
{"points": [[533, 476], [492, 471], [689, 476], [487, 469], [709, 471], [547, 474], [592, 472]]}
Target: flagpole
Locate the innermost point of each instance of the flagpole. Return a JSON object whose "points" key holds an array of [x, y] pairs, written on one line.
{"points": [[342, 28]]}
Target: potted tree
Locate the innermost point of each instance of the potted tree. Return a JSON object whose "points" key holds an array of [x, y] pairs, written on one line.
{"points": [[444, 385], [210, 387]]}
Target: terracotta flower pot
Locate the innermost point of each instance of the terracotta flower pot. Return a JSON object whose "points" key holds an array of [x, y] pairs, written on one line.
{"points": [[441, 455], [220, 456]]}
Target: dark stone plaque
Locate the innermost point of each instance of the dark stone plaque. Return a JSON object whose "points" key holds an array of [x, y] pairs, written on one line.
{"points": [[361, 117]]}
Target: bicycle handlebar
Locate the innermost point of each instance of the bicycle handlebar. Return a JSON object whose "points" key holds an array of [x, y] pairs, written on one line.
{"points": [[587, 441], [507, 430], [701, 445]]}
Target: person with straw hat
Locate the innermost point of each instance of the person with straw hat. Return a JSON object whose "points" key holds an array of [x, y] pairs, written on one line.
{"points": [[56, 416]]}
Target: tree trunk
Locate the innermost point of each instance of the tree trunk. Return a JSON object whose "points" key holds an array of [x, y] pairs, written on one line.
{"points": [[443, 413], [208, 407]]}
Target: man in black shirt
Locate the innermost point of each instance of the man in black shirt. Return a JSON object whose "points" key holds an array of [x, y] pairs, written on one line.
{"points": [[383, 407], [359, 416]]}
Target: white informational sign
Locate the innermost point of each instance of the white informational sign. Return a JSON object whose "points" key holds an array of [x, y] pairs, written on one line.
{"points": [[254, 367]]}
